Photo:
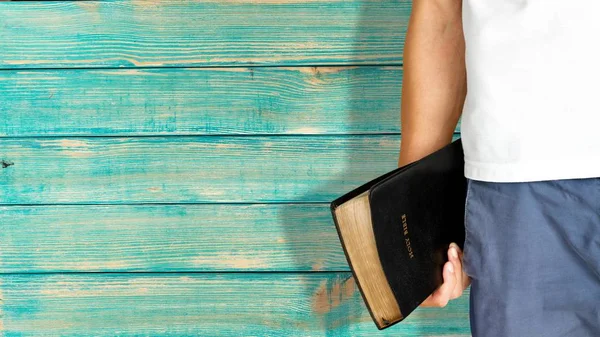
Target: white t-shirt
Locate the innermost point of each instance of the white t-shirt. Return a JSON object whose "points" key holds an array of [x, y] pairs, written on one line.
{"points": [[532, 110]]}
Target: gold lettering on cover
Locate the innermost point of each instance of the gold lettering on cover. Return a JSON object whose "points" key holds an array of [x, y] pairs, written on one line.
{"points": [[406, 238]]}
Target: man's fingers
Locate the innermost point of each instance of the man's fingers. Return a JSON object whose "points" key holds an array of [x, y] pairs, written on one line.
{"points": [[454, 256], [455, 280], [442, 295], [463, 279]]}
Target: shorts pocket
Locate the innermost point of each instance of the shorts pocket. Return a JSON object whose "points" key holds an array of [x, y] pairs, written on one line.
{"points": [[467, 249]]}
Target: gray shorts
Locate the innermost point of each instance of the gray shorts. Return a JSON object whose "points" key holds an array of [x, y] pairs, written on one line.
{"points": [[533, 253]]}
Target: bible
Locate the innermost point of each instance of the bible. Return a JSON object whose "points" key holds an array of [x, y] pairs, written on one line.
{"points": [[396, 230]]}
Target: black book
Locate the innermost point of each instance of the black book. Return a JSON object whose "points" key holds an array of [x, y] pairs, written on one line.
{"points": [[397, 228]]}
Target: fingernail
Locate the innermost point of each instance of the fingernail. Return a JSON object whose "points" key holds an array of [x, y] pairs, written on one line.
{"points": [[453, 252], [451, 268]]}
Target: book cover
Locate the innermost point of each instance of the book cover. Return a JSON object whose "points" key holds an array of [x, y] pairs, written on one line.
{"points": [[396, 230]]}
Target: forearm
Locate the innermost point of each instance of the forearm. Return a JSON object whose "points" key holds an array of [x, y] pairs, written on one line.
{"points": [[434, 84]]}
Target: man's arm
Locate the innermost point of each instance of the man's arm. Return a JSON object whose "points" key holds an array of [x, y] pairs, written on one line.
{"points": [[434, 85], [433, 94]]}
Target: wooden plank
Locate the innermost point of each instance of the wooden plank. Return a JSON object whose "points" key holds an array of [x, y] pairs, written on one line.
{"points": [[190, 169], [318, 304], [138, 33], [206, 101], [167, 238]]}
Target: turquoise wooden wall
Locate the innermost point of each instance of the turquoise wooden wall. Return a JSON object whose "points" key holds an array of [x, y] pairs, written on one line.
{"points": [[167, 165]]}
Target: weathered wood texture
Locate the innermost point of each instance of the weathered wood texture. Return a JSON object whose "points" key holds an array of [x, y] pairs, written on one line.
{"points": [[316, 304], [190, 169], [188, 194], [159, 238], [204, 101], [201, 33]]}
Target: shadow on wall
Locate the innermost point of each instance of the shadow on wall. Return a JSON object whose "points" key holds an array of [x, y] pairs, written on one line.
{"points": [[309, 228]]}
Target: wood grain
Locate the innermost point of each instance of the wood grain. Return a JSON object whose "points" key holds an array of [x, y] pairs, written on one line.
{"points": [[230, 162], [167, 238], [190, 169], [206, 101], [138, 33], [321, 304]]}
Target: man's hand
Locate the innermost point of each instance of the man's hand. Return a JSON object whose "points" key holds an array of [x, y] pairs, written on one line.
{"points": [[455, 280], [434, 89]]}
